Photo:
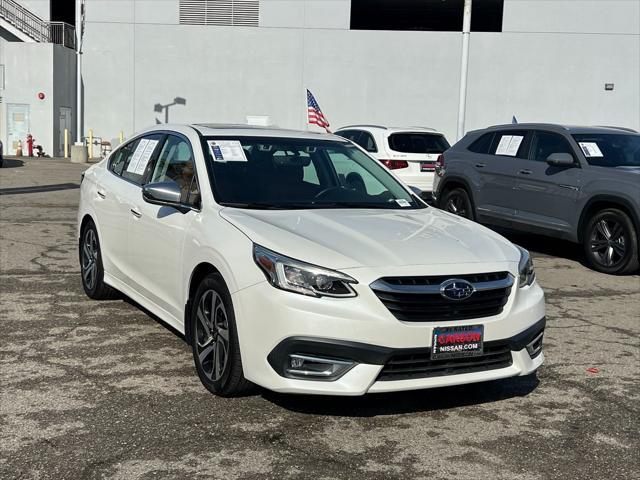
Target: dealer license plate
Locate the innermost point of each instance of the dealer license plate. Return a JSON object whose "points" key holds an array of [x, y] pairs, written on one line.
{"points": [[427, 166], [456, 342]]}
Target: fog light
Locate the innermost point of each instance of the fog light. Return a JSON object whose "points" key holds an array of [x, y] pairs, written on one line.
{"points": [[535, 346], [309, 366]]}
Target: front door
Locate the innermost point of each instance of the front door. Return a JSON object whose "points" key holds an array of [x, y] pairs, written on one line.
{"points": [[18, 127], [545, 195], [157, 233], [64, 124]]}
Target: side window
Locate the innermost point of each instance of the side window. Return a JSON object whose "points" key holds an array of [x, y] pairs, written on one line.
{"points": [[175, 164], [139, 161], [121, 157], [367, 142], [482, 144], [546, 143], [351, 135], [510, 143]]}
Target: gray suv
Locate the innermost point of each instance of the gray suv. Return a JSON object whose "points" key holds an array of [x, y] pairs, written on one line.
{"points": [[577, 183]]}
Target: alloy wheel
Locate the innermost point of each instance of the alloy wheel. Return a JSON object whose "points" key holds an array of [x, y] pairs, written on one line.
{"points": [[608, 242], [457, 205], [90, 259], [212, 335]]}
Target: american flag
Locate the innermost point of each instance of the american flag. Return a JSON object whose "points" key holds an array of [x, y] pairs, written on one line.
{"points": [[315, 114]]}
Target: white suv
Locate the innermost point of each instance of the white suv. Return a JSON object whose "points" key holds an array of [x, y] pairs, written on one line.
{"points": [[410, 152], [296, 262]]}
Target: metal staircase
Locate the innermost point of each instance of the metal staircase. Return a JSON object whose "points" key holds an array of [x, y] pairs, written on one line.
{"points": [[28, 27]]}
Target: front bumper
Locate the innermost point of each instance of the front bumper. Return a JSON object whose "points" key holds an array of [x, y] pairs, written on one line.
{"points": [[273, 323]]}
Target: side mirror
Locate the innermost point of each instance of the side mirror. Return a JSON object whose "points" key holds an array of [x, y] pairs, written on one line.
{"points": [[167, 194], [560, 160]]}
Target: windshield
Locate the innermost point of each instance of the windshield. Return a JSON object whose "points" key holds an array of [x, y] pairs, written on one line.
{"points": [[610, 149], [286, 173], [418, 143]]}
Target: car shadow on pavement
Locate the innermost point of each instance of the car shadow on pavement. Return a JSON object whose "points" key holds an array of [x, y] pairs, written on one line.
{"points": [[12, 163], [378, 404]]}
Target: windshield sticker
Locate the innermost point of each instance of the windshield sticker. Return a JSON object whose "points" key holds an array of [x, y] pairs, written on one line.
{"points": [[402, 202], [590, 149], [227, 151], [509, 145]]}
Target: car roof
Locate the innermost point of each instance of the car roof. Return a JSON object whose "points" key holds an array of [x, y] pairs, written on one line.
{"points": [[390, 129], [244, 130], [562, 128]]}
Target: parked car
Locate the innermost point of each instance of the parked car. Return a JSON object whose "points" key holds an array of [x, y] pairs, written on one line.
{"points": [[577, 183], [410, 152], [294, 261]]}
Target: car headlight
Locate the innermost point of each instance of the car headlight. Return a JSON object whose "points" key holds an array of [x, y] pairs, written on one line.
{"points": [[525, 268], [299, 277]]}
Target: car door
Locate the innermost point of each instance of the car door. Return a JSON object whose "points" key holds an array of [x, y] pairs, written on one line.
{"points": [[497, 170], [114, 194], [546, 195], [157, 233]]}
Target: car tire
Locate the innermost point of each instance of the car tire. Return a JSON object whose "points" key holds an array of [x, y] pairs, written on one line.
{"points": [[610, 242], [91, 268], [214, 339], [458, 202]]}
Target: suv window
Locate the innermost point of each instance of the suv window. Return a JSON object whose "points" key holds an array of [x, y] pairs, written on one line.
{"points": [[546, 143], [367, 142], [175, 164], [482, 144], [417, 142], [351, 135], [510, 143]]}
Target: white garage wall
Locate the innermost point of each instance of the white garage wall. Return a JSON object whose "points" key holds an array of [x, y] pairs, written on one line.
{"points": [[397, 78]]}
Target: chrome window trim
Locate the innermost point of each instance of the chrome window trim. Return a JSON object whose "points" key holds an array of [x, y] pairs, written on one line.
{"points": [[382, 286]]}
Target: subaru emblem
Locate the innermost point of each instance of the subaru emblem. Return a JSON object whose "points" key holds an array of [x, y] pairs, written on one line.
{"points": [[456, 289]]}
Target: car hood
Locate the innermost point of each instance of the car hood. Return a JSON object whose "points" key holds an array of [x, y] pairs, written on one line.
{"points": [[346, 238]]}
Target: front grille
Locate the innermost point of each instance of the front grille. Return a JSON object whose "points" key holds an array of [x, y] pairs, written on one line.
{"points": [[420, 365], [418, 299]]}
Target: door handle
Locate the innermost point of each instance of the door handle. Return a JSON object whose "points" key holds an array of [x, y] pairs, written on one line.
{"points": [[136, 213], [525, 172], [102, 194], [480, 165]]}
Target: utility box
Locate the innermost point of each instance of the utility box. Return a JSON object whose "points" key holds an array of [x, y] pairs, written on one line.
{"points": [[79, 154]]}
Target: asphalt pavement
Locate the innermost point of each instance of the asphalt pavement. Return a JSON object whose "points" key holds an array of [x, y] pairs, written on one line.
{"points": [[104, 390]]}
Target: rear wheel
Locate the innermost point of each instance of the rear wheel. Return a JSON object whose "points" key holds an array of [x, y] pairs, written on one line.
{"points": [[214, 339], [611, 242], [91, 265], [458, 202]]}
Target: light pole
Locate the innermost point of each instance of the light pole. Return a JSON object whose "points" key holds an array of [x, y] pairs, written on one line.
{"points": [[464, 67], [79, 37]]}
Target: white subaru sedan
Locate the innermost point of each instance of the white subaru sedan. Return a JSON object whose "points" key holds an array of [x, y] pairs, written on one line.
{"points": [[296, 262]]}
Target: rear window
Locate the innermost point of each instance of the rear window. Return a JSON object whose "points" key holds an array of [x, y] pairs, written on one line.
{"points": [[482, 144], [418, 143]]}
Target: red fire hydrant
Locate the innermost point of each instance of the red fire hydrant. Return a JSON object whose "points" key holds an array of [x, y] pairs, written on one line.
{"points": [[30, 145]]}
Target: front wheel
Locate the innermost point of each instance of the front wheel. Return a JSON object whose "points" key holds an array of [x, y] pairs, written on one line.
{"points": [[457, 201], [214, 339], [611, 242]]}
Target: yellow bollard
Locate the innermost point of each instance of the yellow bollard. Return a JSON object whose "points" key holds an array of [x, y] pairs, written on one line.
{"points": [[90, 143], [66, 143], [121, 137]]}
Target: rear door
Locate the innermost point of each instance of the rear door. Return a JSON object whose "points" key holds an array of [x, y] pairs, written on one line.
{"points": [[497, 170], [420, 150], [546, 196]]}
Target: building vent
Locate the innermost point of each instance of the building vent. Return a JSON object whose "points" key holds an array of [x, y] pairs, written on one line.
{"points": [[220, 12]]}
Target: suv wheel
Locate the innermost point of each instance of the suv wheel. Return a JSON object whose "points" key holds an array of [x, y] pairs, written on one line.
{"points": [[457, 201], [214, 339], [611, 242], [91, 265]]}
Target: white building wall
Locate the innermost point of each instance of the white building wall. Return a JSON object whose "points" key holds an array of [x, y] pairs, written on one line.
{"points": [[549, 64]]}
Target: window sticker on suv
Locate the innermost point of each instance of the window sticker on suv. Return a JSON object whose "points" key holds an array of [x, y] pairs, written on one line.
{"points": [[590, 149], [509, 145]]}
